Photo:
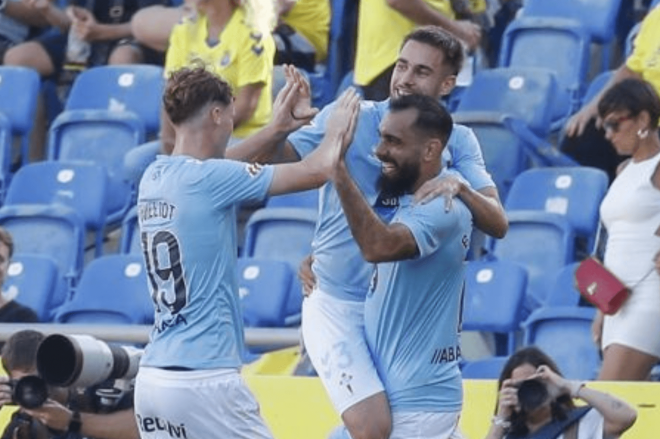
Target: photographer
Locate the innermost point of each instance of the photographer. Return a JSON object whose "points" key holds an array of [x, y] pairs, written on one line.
{"points": [[536, 402], [58, 416]]}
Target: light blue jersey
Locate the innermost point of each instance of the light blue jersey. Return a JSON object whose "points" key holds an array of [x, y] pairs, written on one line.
{"points": [[412, 312], [188, 230], [338, 265]]}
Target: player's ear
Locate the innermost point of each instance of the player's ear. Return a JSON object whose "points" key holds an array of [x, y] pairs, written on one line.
{"points": [[432, 149]]}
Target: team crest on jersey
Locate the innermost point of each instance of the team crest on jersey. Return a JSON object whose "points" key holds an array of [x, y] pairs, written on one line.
{"points": [[253, 169], [226, 58]]}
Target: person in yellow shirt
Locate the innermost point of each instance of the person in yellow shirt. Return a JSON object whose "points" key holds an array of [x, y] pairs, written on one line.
{"points": [[585, 137], [311, 19], [218, 35], [382, 26]]}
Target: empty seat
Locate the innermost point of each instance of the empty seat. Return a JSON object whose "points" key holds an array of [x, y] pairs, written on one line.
{"points": [[281, 234], [130, 234], [35, 282], [305, 199], [80, 186], [484, 369], [113, 289], [48, 230], [494, 295], [564, 333], [562, 290], [270, 293]]}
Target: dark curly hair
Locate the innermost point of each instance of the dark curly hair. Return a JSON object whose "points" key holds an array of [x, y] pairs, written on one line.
{"points": [[535, 357], [192, 88], [631, 95]]}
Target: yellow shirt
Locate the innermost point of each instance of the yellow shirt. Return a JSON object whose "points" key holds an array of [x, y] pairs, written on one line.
{"points": [[381, 31], [645, 58], [243, 56], [311, 18]]}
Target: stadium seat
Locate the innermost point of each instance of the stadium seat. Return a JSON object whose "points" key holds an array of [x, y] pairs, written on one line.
{"points": [[306, 199], [541, 242], [573, 192], [129, 242], [113, 289], [564, 333], [562, 291], [270, 293], [34, 281], [326, 80], [559, 45], [135, 89], [282, 234], [80, 186], [521, 92], [19, 91], [48, 230], [596, 85], [494, 295], [484, 369], [102, 138]]}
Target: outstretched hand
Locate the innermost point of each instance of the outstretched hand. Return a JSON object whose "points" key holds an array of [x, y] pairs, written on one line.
{"points": [[343, 120], [293, 108], [446, 186]]}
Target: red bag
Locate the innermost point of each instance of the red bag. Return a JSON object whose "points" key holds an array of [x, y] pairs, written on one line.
{"points": [[600, 287]]}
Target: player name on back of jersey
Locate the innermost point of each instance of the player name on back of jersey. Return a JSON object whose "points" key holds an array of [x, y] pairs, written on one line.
{"points": [[156, 210]]}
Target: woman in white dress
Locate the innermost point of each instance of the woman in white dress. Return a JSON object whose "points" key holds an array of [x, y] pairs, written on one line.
{"points": [[534, 400], [630, 211]]}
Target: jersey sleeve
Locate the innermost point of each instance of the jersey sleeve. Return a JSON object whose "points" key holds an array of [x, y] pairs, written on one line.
{"points": [[646, 39], [467, 159], [256, 59], [306, 139], [175, 57], [232, 182], [430, 224]]}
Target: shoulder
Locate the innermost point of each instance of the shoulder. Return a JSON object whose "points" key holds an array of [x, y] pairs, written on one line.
{"points": [[462, 135], [622, 166]]}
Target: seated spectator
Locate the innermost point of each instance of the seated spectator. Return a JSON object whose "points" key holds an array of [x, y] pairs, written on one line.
{"points": [[630, 211], [585, 137], [54, 418], [19, 20], [309, 18], [86, 33], [533, 396], [10, 310], [219, 35]]}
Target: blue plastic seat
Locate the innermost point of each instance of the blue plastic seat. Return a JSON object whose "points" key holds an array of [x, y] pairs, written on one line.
{"points": [[129, 242], [135, 89], [539, 241], [559, 45], [113, 289], [484, 369], [80, 186], [281, 234], [494, 296], [34, 281], [521, 92], [562, 290], [19, 91], [564, 333], [306, 199], [54, 231], [270, 293]]}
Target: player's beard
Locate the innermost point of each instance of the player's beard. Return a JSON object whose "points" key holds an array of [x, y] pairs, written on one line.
{"points": [[402, 182]]}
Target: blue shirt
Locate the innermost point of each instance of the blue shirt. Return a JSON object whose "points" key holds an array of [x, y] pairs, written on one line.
{"points": [[412, 311], [187, 223], [338, 265]]}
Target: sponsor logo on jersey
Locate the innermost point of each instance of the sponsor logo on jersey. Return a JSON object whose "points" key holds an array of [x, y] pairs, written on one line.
{"points": [[253, 169]]}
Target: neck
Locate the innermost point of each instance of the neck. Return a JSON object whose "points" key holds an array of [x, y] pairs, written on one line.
{"points": [[219, 13], [194, 141], [539, 419], [647, 148], [426, 174]]}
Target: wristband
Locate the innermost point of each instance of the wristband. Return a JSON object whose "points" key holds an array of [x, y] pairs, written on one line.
{"points": [[501, 422], [75, 424]]}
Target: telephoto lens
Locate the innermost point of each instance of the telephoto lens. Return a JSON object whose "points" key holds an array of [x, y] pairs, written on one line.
{"points": [[30, 392]]}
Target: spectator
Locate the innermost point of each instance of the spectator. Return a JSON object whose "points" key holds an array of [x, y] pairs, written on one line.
{"points": [[585, 137], [533, 396], [10, 310], [18, 21], [54, 418], [219, 35], [377, 50], [630, 339], [310, 18]]}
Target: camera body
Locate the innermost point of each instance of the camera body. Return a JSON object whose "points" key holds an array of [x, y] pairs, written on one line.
{"points": [[532, 394], [29, 391]]}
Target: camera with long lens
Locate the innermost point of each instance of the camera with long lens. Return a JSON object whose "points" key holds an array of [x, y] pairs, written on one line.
{"points": [[83, 361], [532, 394], [30, 391]]}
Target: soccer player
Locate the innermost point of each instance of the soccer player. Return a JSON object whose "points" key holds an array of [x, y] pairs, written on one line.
{"points": [[412, 310], [189, 384]]}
